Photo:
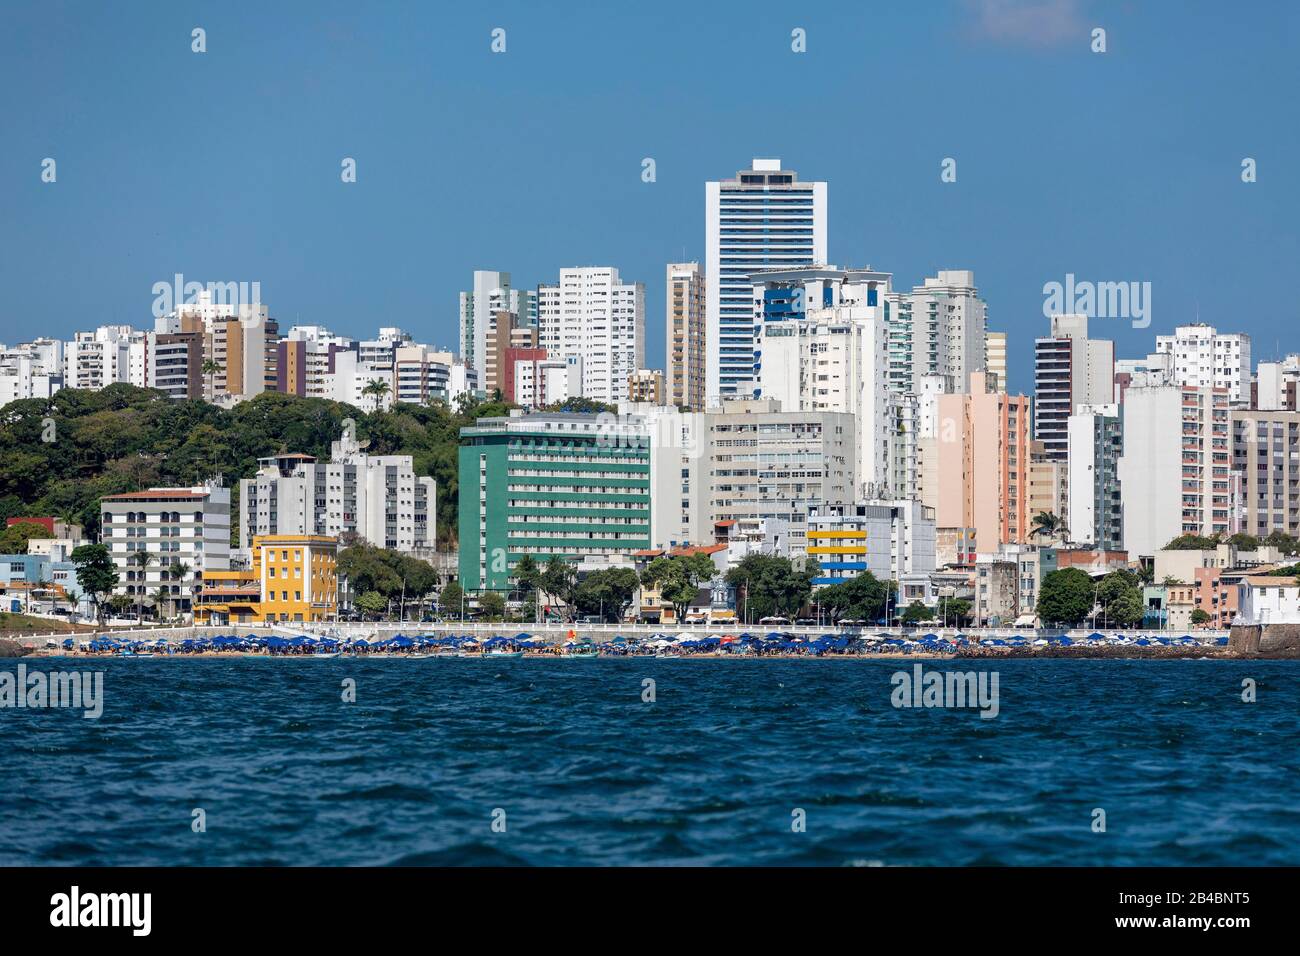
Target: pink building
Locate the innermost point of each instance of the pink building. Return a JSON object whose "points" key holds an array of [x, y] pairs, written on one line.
{"points": [[980, 464]]}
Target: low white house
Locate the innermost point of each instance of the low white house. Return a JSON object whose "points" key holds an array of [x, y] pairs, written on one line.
{"points": [[1268, 599]]}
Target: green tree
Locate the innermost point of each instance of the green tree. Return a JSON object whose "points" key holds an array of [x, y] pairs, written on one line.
{"points": [[370, 604], [142, 560], [560, 580], [96, 574], [771, 586], [954, 611], [1200, 618], [679, 578], [210, 368], [1119, 597], [375, 390], [861, 598], [451, 599], [14, 539], [607, 592], [1192, 542], [916, 613], [491, 605], [527, 574], [1065, 597], [1049, 525]]}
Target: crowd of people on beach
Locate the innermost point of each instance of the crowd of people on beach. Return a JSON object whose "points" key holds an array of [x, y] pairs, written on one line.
{"points": [[772, 644]]}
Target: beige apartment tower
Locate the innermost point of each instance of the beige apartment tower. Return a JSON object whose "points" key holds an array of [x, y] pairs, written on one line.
{"points": [[685, 313]]}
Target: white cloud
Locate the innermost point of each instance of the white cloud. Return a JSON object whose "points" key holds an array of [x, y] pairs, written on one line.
{"points": [[1035, 23]]}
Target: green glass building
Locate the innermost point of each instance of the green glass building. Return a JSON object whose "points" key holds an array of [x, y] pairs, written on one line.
{"points": [[573, 485]]}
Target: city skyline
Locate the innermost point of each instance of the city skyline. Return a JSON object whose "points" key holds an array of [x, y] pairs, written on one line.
{"points": [[1112, 183]]}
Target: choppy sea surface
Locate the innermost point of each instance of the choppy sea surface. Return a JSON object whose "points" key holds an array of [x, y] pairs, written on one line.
{"points": [[575, 766]]}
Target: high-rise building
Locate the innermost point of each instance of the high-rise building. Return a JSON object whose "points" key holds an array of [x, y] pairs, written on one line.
{"points": [[1096, 441], [937, 329], [822, 335], [509, 470], [1176, 468], [1202, 358], [592, 315], [378, 498], [491, 293], [995, 360], [1070, 370], [979, 457], [762, 463], [763, 219], [1266, 453], [176, 364], [504, 333], [685, 308]]}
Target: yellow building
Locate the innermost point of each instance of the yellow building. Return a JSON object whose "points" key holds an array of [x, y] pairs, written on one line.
{"points": [[292, 577]]}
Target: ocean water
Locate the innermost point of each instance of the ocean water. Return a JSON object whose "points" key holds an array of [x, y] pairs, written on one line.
{"points": [[581, 770]]}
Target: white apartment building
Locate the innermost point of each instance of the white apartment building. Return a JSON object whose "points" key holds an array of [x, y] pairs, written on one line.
{"points": [[546, 381], [30, 371], [379, 498], [109, 354], [1070, 370], [937, 329], [762, 219], [595, 316], [351, 379], [183, 532], [1176, 468], [1202, 358], [823, 344]]}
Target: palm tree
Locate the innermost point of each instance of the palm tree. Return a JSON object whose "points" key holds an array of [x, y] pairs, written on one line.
{"points": [[142, 560], [160, 599], [210, 368], [178, 572], [376, 388], [1049, 525]]}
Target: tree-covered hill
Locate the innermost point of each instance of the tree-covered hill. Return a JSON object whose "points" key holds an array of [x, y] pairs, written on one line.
{"points": [[125, 438]]}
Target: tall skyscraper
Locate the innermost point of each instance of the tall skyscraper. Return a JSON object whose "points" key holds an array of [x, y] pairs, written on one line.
{"points": [[599, 320], [762, 219], [686, 350], [1070, 370], [491, 293], [937, 329]]}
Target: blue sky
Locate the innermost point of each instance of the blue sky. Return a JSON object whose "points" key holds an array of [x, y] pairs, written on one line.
{"points": [[225, 166]]}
